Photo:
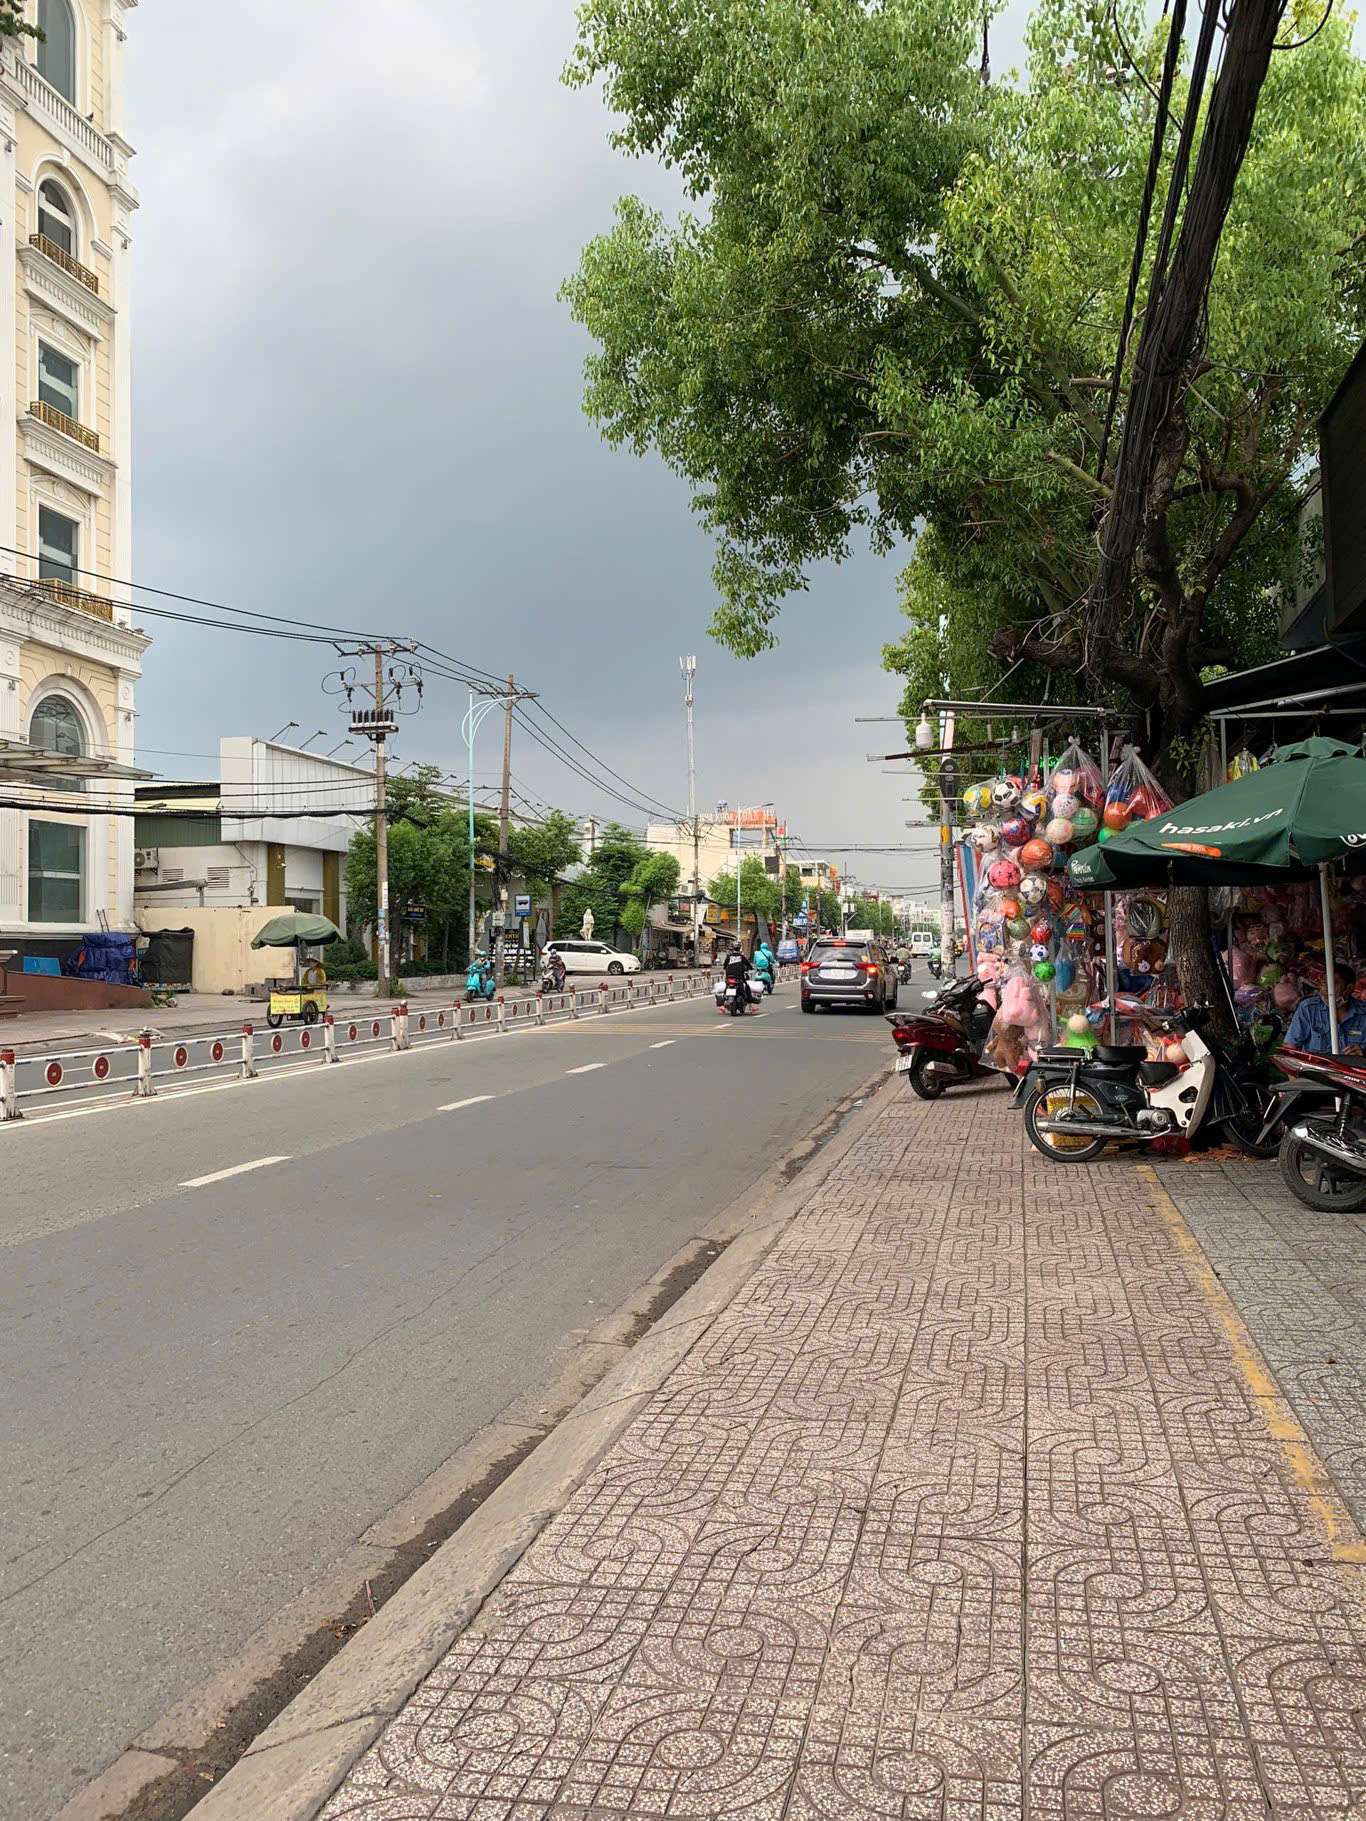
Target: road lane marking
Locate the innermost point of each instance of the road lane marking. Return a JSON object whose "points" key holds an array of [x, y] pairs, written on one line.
{"points": [[238, 1169], [665, 1045], [587, 1068], [454, 1106]]}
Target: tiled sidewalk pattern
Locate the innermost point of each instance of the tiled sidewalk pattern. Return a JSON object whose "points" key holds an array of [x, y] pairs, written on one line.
{"points": [[1299, 1281], [960, 1512]]}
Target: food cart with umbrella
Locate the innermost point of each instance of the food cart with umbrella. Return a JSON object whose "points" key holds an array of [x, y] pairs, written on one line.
{"points": [[306, 997], [1296, 818]]}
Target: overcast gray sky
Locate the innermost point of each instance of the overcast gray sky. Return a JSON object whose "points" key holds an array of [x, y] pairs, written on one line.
{"points": [[357, 400]]}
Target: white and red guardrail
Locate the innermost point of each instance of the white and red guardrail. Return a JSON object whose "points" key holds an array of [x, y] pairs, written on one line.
{"points": [[141, 1067]]}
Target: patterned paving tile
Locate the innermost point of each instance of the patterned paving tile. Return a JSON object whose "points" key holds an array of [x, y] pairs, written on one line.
{"points": [[962, 1511]]}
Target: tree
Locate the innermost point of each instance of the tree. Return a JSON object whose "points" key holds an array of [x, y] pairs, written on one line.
{"points": [[873, 914], [899, 308], [759, 890], [652, 880], [598, 887], [542, 852]]}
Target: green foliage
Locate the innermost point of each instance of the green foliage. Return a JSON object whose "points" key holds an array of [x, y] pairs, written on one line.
{"points": [[896, 308], [759, 890], [542, 852], [652, 880], [13, 23], [873, 914], [599, 887]]}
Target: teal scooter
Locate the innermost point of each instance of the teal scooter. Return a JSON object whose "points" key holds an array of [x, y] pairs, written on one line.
{"points": [[479, 981]]}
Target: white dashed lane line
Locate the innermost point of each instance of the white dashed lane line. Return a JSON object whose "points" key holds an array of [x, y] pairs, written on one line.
{"points": [[667, 1043], [454, 1106], [586, 1069], [238, 1169]]}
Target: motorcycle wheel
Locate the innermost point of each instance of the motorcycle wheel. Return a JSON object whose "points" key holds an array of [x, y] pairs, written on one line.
{"points": [[924, 1085], [1313, 1180], [1244, 1131], [1057, 1146]]}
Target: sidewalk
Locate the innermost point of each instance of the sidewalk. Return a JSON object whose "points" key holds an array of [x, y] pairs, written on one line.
{"points": [[977, 1502]]}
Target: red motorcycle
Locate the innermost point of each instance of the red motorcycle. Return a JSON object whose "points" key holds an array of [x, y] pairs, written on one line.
{"points": [[1323, 1152], [942, 1046]]}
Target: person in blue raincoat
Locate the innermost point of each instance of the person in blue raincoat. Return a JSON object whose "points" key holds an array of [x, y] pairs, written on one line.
{"points": [[765, 964]]}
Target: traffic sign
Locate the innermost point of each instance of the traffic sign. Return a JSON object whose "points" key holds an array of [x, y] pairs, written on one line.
{"points": [[523, 904]]}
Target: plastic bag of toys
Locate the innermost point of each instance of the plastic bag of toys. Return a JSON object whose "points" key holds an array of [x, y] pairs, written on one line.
{"points": [[1075, 799], [1133, 795]]}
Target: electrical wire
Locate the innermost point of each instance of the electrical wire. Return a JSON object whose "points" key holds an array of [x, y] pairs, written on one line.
{"points": [[1299, 43]]}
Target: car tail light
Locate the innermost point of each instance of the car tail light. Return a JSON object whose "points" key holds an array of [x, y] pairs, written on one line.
{"points": [[807, 966], [869, 967]]}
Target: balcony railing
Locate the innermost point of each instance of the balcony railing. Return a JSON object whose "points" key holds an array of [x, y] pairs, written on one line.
{"points": [[86, 135], [68, 595], [58, 420], [64, 259]]}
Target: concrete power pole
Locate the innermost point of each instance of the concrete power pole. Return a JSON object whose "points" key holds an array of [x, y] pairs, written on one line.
{"points": [[382, 967], [948, 779], [689, 668], [504, 805]]}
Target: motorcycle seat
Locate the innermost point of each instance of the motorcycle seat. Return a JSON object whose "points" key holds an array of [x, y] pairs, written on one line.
{"points": [[1061, 1053], [1153, 1074], [1116, 1053]]}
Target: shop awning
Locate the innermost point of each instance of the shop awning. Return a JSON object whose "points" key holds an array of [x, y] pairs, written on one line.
{"points": [[22, 763]]}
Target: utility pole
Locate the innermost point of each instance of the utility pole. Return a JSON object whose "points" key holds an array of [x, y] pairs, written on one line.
{"points": [[948, 777], [376, 723], [689, 668], [503, 809], [382, 967]]}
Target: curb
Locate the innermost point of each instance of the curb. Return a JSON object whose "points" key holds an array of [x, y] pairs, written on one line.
{"points": [[292, 1769]]}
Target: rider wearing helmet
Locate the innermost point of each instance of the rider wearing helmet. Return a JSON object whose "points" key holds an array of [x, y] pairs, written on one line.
{"points": [[737, 972], [765, 964]]}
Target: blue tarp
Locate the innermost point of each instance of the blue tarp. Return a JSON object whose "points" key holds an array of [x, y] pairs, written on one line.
{"points": [[107, 955]]}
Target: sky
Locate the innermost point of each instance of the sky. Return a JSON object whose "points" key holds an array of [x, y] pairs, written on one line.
{"points": [[357, 400]]}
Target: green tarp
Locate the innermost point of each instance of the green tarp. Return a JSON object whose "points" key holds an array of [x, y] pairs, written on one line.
{"points": [[297, 927]]}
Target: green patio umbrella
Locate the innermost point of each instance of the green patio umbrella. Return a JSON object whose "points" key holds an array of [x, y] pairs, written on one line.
{"points": [[1292, 819], [298, 926]]}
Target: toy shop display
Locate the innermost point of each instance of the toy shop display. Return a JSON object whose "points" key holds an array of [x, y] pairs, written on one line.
{"points": [[1277, 958]]}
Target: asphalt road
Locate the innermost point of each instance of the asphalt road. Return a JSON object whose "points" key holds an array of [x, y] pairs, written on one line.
{"points": [[208, 1392]]}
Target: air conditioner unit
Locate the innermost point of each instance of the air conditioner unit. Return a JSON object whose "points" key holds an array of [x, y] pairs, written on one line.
{"points": [[146, 859]]}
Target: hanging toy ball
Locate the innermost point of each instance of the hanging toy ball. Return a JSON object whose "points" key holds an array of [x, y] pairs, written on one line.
{"points": [[1010, 907], [1083, 824], [1038, 951], [1063, 783], [1033, 891], [1059, 831], [1018, 928], [1079, 1036], [1044, 970], [983, 837], [1173, 1051], [1036, 856], [1016, 831], [977, 799], [1055, 893], [1042, 931], [1269, 975], [1117, 816], [1004, 875], [1066, 803], [1104, 833], [1005, 793], [1034, 804]]}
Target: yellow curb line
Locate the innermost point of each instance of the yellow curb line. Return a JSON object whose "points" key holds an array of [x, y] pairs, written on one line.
{"points": [[1297, 1450]]}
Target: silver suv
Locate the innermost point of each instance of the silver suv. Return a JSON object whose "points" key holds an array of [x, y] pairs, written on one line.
{"points": [[848, 970]]}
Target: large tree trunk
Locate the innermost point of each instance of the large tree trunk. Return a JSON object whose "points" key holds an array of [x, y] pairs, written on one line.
{"points": [[1190, 946]]}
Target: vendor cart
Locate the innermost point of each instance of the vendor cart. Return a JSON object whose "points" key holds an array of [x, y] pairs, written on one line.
{"points": [[305, 997]]}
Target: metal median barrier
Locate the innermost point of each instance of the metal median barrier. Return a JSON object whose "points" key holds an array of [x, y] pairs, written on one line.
{"points": [[142, 1067]]}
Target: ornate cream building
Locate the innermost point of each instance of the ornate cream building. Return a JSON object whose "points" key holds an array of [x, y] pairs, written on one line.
{"points": [[69, 657]]}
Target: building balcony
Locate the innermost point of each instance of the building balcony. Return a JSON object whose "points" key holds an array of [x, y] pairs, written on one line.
{"points": [[66, 594], [60, 256], [81, 134], [58, 420]]}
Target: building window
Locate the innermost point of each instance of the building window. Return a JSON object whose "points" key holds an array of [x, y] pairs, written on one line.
{"points": [[59, 381], [56, 727], [56, 872], [57, 46], [56, 216], [57, 545]]}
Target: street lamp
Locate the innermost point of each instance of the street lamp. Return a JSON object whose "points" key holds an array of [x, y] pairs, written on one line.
{"points": [[285, 729]]}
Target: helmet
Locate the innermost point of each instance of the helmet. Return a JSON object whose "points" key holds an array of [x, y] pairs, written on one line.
{"points": [[1005, 793], [1036, 856], [1004, 875]]}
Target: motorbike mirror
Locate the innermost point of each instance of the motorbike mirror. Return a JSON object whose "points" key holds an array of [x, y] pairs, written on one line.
{"points": [[929, 995]]}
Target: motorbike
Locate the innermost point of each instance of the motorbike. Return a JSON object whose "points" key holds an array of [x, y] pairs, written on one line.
{"points": [[942, 1046], [553, 983], [1077, 1101], [479, 980], [903, 972], [1323, 1151], [725, 995]]}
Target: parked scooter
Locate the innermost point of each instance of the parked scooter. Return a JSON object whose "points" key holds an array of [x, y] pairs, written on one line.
{"points": [[479, 981], [1323, 1151], [1078, 1101], [942, 1047]]}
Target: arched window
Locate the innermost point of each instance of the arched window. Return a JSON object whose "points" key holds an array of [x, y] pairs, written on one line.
{"points": [[56, 215], [56, 727], [57, 46]]}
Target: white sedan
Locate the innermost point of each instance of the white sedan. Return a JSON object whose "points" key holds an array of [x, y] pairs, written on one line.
{"points": [[592, 958]]}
